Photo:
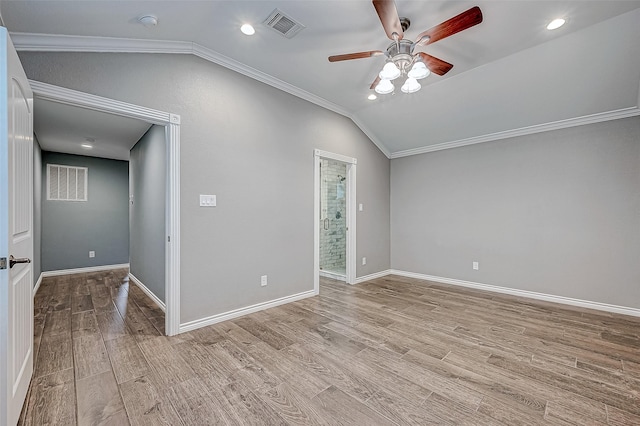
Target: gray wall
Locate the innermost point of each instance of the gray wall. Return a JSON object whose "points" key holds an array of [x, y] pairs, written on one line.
{"points": [[555, 212], [252, 146], [147, 186], [37, 210], [71, 229]]}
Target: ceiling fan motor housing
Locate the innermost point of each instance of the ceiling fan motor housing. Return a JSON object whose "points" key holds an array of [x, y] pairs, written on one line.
{"points": [[401, 53]]}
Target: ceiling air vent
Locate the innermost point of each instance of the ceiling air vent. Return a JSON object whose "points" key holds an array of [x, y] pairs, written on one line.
{"points": [[283, 24]]}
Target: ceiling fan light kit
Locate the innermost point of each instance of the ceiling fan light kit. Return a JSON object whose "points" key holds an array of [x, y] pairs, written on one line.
{"points": [[419, 71], [401, 59], [384, 87], [410, 86], [390, 71]]}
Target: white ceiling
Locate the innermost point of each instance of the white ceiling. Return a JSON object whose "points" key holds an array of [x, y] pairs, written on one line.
{"points": [[63, 128], [509, 72]]}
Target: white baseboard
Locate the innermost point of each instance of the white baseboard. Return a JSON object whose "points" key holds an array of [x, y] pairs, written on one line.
{"points": [[83, 270], [525, 293], [37, 286], [333, 275], [373, 276], [214, 319], [148, 292]]}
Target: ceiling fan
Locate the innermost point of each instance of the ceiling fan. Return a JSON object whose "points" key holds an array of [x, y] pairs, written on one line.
{"points": [[401, 59]]}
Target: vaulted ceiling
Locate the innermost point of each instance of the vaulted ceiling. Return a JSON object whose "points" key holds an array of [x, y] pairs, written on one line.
{"points": [[511, 75]]}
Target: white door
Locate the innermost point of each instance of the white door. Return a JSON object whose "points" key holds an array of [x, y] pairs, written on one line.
{"points": [[16, 233]]}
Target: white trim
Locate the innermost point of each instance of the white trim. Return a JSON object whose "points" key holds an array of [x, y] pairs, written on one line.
{"points": [[72, 97], [214, 319], [30, 42], [524, 293], [172, 214], [373, 276], [316, 222], [64, 43], [351, 214], [554, 125], [232, 64], [37, 286], [172, 225], [336, 157], [33, 42], [351, 223], [332, 275], [371, 135], [148, 292], [88, 269]]}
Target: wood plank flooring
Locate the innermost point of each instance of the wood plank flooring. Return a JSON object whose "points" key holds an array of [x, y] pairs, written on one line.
{"points": [[390, 351]]}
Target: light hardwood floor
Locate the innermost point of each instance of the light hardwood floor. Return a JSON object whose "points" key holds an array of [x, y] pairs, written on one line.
{"points": [[389, 351]]}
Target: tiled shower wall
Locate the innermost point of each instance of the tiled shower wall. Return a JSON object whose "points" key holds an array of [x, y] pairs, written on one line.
{"points": [[333, 205]]}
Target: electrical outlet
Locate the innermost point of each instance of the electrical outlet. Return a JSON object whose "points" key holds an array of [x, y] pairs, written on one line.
{"points": [[263, 280], [364, 260], [92, 253], [476, 266], [208, 200]]}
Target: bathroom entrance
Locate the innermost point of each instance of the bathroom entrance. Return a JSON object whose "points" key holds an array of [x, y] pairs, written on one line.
{"points": [[335, 221]]}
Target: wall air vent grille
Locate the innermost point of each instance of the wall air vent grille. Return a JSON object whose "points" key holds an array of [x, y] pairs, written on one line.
{"points": [[67, 183], [283, 24]]}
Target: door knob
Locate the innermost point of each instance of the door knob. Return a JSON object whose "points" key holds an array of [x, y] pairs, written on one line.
{"points": [[13, 260]]}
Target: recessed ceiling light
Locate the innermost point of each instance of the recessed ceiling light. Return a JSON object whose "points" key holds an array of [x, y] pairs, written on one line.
{"points": [[555, 24], [372, 97], [148, 20], [86, 145], [248, 29]]}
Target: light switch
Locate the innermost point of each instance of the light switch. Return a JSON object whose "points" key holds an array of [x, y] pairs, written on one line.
{"points": [[360, 207], [207, 200]]}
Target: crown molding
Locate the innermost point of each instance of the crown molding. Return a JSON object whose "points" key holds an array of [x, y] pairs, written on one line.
{"points": [[215, 57], [72, 97], [28, 42], [371, 135], [554, 125]]}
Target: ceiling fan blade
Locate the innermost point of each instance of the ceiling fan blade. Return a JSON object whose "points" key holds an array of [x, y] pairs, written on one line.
{"points": [[435, 65], [375, 83], [454, 25], [388, 15], [358, 55]]}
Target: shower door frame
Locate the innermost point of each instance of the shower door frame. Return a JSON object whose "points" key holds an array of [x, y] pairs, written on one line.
{"points": [[350, 195]]}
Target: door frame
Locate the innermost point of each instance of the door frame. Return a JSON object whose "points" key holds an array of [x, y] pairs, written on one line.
{"points": [[350, 213], [172, 205]]}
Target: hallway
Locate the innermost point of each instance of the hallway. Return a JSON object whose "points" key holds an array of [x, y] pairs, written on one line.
{"points": [[87, 332]]}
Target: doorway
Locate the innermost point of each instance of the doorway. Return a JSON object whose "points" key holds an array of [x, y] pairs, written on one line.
{"points": [[171, 123], [335, 219]]}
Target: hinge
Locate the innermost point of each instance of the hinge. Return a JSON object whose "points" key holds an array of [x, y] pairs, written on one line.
{"points": [[168, 238], [3, 263]]}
